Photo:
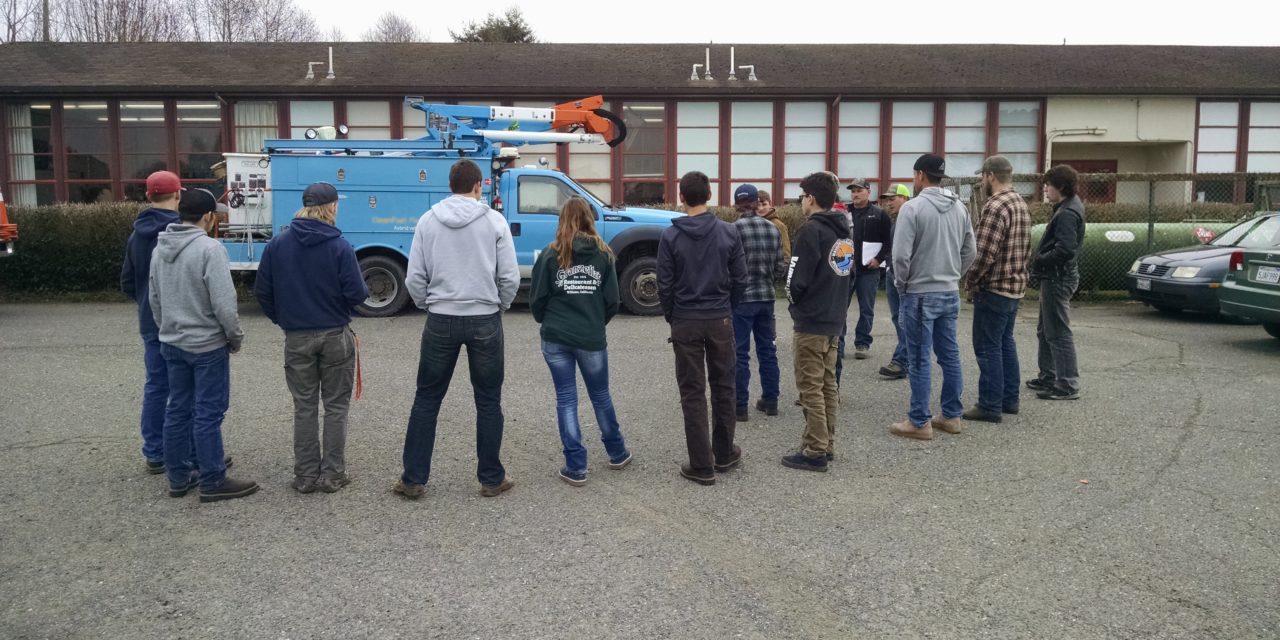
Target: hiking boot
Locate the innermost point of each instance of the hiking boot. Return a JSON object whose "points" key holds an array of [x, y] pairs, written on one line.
{"points": [[949, 425], [861, 352], [495, 490], [230, 489], [768, 407], [621, 462], [1039, 384], [742, 413], [689, 473], [155, 468], [805, 463], [1058, 394], [332, 484], [182, 491], [571, 478], [409, 490], [908, 430], [1013, 411], [982, 415], [303, 485], [732, 463], [893, 371]]}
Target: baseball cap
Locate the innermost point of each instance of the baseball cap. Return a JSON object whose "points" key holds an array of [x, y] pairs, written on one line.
{"points": [[932, 165], [163, 182], [995, 164], [319, 193], [859, 183], [746, 193], [897, 190], [197, 202]]}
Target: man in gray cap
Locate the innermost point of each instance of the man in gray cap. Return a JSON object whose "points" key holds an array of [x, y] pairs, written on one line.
{"points": [[870, 228]]}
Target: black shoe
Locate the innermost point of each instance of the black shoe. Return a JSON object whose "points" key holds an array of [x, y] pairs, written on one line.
{"points": [[831, 455], [303, 485], [155, 468], [982, 415], [182, 491], [805, 463], [688, 473], [893, 371], [742, 414], [230, 489], [732, 463], [1013, 411], [1038, 384], [770, 408], [334, 483], [1058, 394]]}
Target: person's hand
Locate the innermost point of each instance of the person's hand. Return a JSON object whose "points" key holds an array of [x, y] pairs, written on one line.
{"points": [[235, 348], [874, 264]]}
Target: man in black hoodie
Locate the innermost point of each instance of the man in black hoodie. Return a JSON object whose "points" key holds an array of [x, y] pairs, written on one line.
{"points": [[818, 288], [701, 265]]}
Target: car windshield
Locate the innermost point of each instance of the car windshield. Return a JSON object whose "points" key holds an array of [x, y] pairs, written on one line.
{"points": [[1258, 233]]}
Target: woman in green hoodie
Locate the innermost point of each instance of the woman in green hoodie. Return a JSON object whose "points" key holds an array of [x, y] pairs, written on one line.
{"points": [[574, 294]]}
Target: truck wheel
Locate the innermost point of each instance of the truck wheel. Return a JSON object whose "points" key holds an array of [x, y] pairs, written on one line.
{"points": [[638, 283], [387, 294], [1272, 328]]}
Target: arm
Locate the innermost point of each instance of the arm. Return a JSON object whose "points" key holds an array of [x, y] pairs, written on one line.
{"points": [[1067, 241], [507, 273], [737, 268], [786, 244], [153, 293], [884, 235], [222, 294], [666, 277], [904, 240], [354, 289], [968, 250], [611, 293], [127, 271], [988, 240], [419, 275], [263, 287], [540, 285], [782, 256], [803, 261]]}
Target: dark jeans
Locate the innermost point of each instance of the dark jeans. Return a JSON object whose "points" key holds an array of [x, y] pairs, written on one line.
{"points": [[1057, 354], [442, 340], [320, 365], [155, 397], [930, 322], [997, 353], [865, 285], [199, 393], [756, 318], [891, 293], [705, 356], [564, 362]]}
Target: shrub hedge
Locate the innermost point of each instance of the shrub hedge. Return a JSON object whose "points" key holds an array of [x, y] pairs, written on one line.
{"points": [[68, 247]]}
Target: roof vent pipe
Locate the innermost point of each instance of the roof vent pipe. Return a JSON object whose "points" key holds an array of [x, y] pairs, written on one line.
{"points": [[733, 75], [706, 69], [330, 76]]}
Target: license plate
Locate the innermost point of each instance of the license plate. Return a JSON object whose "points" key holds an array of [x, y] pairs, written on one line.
{"points": [[1144, 284], [1270, 275]]}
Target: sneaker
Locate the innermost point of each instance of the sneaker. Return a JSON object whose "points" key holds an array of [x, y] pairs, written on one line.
{"points": [[493, 491], [982, 415], [621, 462], [409, 490], [861, 352], [949, 425], [689, 473], [573, 479], [1013, 411], [893, 371], [908, 430], [805, 463], [182, 491], [303, 485], [230, 489], [331, 485], [1058, 394], [831, 455], [768, 407], [732, 463], [1039, 384], [742, 413]]}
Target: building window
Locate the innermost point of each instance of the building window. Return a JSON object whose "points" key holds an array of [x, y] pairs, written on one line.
{"points": [[1218, 137], [86, 135], [533, 154], [144, 145], [644, 153], [804, 143], [1264, 137], [1018, 139], [911, 137], [255, 123], [591, 166], [369, 120], [198, 126], [698, 141], [751, 143], [965, 139], [858, 145], [31, 177], [415, 122], [309, 114]]}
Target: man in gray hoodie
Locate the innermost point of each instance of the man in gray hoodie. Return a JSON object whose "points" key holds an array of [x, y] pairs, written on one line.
{"points": [[933, 245], [463, 272], [193, 302]]}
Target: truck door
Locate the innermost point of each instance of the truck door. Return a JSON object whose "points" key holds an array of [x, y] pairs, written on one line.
{"points": [[535, 215]]}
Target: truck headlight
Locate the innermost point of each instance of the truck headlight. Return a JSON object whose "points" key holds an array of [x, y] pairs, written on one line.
{"points": [[1136, 265], [1186, 272]]}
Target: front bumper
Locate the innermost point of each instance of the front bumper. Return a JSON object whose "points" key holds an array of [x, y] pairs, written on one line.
{"points": [[1197, 294]]}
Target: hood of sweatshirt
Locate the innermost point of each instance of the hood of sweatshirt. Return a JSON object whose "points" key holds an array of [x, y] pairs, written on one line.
{"points": [[175, 239], [834, 219], [940, 199], [152, 221], [585, 249], [458, 211], [312, 232], [696, 227]]}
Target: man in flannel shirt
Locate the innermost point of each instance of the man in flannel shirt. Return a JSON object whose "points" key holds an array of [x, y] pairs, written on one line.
{"points": [[996, 282], [766, 266]]}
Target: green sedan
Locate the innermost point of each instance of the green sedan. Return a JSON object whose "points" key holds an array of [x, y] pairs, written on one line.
{"points": [[1252, 288]]}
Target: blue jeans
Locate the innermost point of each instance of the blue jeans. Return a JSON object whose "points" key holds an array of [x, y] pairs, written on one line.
{"points": [[929, 320], [442, 340], [865, 284], [199, 393], [155, 397], [999, 380], [756, 318], [562, 360], [900, 351]]}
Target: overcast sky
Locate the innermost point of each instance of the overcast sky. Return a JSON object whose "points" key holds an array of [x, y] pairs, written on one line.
{"points": [[1221, 22]]}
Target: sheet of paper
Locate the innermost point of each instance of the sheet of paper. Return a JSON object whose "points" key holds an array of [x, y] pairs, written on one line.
{"points": [[869, 251]]}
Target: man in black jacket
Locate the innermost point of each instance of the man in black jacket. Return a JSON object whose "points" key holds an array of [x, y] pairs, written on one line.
{"points": [[1055, 266], [868, 225], [701, 265], [817, 286]]}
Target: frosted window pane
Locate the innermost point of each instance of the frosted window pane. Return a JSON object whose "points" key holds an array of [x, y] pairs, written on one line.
{"points": [[801, 165], [918, 140], [1260, 140], [751, 166], [1215, 162], [806, 114], [1022, 162], [860, 165], [853, 140], [752, 114], [1264, 114], [697, 140], [751, 140], [708, 163], [900, 164], [1219, 114], [960, 165], [913, 114], [369, 114], [1017, 139], [805, 140], [860, 114], [966, 114], [697, 114], [973, 140], [311, 113], [589, 167], [1216, 139], [1269, 162], [1020, 114]]}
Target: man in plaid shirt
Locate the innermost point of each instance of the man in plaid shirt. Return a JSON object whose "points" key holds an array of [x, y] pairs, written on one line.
{"points": [[997, 281], [762, 244]]}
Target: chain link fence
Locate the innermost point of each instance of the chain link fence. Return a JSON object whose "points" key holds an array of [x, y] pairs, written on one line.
{"points": [[1130, 215]]}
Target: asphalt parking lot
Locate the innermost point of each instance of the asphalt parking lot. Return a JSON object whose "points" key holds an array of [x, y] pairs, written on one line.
{"points": [[993, 533]]}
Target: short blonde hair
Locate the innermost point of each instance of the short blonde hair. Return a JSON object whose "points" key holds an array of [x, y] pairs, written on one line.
{"points": [[326, 213]]}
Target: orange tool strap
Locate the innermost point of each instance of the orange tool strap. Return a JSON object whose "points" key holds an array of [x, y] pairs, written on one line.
{"points": [[359, 373]]}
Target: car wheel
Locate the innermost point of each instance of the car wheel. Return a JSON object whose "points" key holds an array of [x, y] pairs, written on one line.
{"points": [[638, 283], [1166, 309], [384, 276], [1272, 328]]}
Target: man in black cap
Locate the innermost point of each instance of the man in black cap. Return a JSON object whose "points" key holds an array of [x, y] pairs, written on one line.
{"points": [[753, 315], [871, 229]]}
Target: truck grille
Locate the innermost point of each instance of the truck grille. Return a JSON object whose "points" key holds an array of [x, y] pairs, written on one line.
{"points": [[1153, 270]]}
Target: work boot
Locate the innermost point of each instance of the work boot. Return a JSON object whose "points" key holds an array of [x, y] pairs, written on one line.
{"points": [[699, 477], [908, 430], [805, 463], [742, 413], [769, 407], [495, 490], [950, 425], [409, 490], [861, 352], [982, 415], [732, 462], [230, 489], [893, 371]]}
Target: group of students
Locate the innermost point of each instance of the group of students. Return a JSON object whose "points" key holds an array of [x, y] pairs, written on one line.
{"points": [[716, 284]]}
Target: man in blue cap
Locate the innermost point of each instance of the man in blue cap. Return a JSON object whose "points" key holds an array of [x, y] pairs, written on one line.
{"points": [[753, 315]]}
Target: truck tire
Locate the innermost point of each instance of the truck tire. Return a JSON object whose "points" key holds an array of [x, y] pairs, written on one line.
{"points": [[1272, 328], [387, 294], [638, 286]]}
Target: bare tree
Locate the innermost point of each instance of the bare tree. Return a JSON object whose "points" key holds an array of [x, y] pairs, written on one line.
{"points": [[19, 20], [121, 21], [509, 27], [393, 27], [336, 34], [256, 21]]}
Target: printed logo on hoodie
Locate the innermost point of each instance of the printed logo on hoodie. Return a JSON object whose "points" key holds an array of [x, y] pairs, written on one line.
{"points": [[841, 258], [582, 279]]}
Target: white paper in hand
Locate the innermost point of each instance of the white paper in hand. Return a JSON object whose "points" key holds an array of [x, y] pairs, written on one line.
{"points": [[869, 252]]}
